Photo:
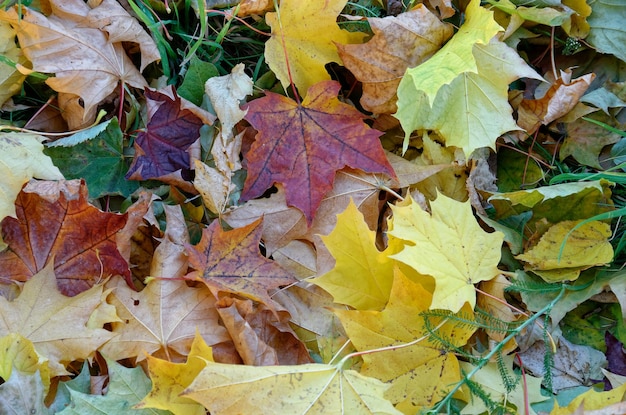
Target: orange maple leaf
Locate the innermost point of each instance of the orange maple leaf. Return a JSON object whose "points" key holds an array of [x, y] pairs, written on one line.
{"points": [[56, 223], [230, 261], [303, 145]]}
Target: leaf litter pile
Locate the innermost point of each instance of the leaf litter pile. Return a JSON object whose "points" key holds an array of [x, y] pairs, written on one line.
{"points": [[320, 207]]}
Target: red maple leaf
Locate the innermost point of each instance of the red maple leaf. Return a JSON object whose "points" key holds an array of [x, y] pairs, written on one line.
{"points": [[55, 222], [303, 145], [230, 261], [162, 148]]}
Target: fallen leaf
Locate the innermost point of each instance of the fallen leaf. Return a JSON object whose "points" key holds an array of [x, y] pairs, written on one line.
{"points": [[584, 141], [449, 245], [63, 229], [489, 377], [54, 323], [225, 93], [362, 275], [126, 388], [144, 329], [399, 42], [10, 78], [560, 99], [161, 151], [607, 32], [261, 335], [99, 159], [574, 365], [19, 353], [564, 248], [462, 91], [23, 159], [230, 261], [85, 61], [110, 17], [281, 223], [456, 57], [593, 400], [420, 374], [312, 388], [300, 46], [169, 260], [170, 379], [302, 146], [23, 393]]}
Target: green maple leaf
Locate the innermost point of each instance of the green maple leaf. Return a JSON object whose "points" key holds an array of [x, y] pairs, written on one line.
{"points": [[462, 91], [126, 388]]}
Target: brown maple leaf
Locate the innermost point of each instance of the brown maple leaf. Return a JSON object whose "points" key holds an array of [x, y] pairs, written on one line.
{"points": [[303, 145], [230, 261], [84, 59], [261, 336], [398, 43], [56, 223]]}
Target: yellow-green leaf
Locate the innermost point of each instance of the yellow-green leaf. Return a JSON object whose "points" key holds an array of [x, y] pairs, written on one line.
{"points": [[456, 57], [19, 353], [462, 91], [362, 275], [569, 250], [449, 245]]}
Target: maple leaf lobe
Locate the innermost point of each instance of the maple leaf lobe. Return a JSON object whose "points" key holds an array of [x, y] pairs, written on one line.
{"points": [[303, 145]]}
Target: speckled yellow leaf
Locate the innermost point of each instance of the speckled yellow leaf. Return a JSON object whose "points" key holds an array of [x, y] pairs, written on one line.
{"points": [[569, 250], [311, 389], [420, 374]]}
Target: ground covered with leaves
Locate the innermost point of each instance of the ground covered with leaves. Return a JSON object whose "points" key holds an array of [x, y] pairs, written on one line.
{"points": [[318, 207]]}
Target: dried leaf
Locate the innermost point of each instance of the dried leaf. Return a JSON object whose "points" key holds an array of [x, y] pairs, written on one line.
{"points": [[56, 225], [302, 146]]}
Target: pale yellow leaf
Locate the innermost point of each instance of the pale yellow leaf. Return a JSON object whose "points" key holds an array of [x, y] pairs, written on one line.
{"points": [[449, 245], [302, 389], [54, 323]]}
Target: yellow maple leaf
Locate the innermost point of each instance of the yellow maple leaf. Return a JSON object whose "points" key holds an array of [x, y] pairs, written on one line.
{"points": [[420, 374], [462, 91], [170, 379], [19, 353], [362, 275], [308, 43], [450, 246], [566, 249], [311, 389]]}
